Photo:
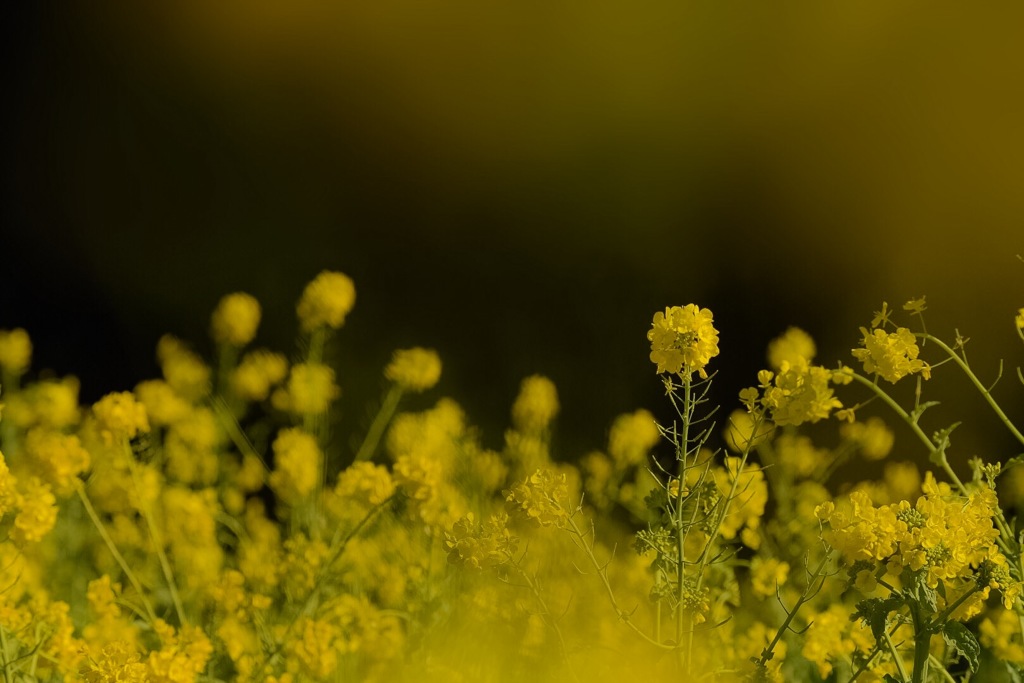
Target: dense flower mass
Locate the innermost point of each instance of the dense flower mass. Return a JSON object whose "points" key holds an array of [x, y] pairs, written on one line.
{"points": [[229, 522], [683, 340]]}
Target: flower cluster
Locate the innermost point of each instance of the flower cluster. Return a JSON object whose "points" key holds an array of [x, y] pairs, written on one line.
{"points": [[683, 340]]}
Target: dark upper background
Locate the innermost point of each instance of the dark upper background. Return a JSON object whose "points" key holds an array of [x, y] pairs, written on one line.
{"points": [[519, 186]]}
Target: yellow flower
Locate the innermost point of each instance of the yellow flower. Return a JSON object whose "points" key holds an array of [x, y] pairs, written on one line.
{"points": [[15, 351], [310, 390], [766, 575], [891, 355], [235, 319], [792, 347], [258, 371], [1020, 319], [59, 458], [873, 437], [915, 306], [326, 301], [632, 437], [541, 497], [797, 394], [536, 405], [120, 416], [683, 340], [415, 369], [297, 463]]}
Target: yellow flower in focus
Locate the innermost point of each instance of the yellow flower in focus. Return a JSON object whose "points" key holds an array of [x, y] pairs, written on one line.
{"points": [[297, 463], [683, 340], [235, 319], [541, 497], [15, 351], [792, 347], [120, 416], [310, 390], [364, 484], [891, 355], [326, 301], [416, 369], [536, 405]]}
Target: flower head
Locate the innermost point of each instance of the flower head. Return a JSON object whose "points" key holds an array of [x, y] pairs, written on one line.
{"points": [[15, 351], [235, 319], [683, 340], [326, 301], [891, 355], [415, 369]]}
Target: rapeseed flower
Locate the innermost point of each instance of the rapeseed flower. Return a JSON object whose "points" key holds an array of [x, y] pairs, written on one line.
{"points": [[15, 351], [683, 340], [235, 319], [536, 405], [892, 355], [326, 301], [416, 369]]}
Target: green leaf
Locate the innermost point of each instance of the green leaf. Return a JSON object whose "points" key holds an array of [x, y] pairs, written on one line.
{"points": [[960, 637], [874, 612], [918, 411]]}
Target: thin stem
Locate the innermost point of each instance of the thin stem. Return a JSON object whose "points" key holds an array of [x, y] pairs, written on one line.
{"points": [[622, 614], [115, 552], [380, 423], [977, 383], [895, 656], [807, 594]]}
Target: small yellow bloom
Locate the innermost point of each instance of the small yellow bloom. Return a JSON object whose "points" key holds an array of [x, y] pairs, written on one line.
{"points": [[416, 369], [235, 319], [326, 301], [1020, 319]]}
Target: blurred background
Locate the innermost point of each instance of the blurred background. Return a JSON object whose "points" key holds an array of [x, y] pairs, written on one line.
{"points": [[519, 185]]}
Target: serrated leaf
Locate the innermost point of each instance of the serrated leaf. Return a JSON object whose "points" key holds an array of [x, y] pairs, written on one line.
{"points": [[960, 637], [875, 613]]}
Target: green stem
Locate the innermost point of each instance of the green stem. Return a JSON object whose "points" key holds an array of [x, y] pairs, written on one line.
{"points": [[896, 658], [977, 383], [922, 646], [98, 523], [766, 653], [379, 424]]}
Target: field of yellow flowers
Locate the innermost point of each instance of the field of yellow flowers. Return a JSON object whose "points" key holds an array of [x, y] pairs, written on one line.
{"points": [[201, 527]]}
